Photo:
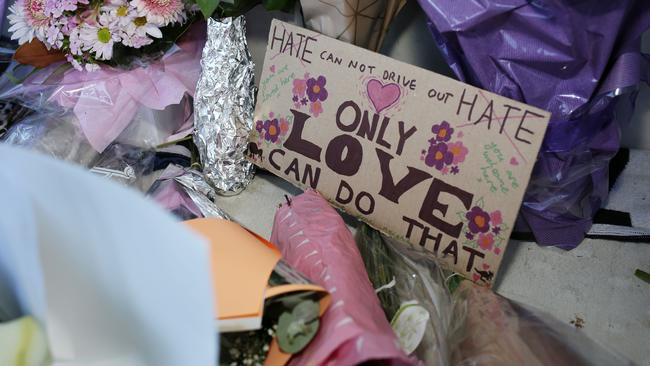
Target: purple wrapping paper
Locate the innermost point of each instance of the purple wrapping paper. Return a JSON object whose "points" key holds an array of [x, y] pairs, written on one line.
{"points": [[581, 61]]}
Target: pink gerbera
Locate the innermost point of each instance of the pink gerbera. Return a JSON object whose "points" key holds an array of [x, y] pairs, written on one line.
{"points": [[161, 12], [28, 20]]}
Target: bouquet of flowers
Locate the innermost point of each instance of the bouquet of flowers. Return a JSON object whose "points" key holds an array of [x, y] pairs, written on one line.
{"points": [[88, 33]]}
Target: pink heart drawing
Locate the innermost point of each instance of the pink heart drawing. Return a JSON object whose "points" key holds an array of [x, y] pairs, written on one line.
{"points": [[475, 277], [486, 266], [514, 161], [272, 68], [382, 96]]}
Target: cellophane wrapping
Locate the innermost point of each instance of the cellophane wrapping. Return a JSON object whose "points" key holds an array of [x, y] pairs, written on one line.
{"points": [[401, 273], [579, 60], [488, 329], [144, 105]]}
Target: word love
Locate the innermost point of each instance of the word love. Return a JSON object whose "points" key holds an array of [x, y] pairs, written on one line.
{"points": [[344, 155]]}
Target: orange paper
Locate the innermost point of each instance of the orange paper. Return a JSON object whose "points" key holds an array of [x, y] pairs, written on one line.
{"points": [[242, 263], [240, 272]]}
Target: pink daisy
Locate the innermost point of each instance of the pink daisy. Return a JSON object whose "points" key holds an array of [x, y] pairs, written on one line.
{"points": [[28, 20], [161, 12]]}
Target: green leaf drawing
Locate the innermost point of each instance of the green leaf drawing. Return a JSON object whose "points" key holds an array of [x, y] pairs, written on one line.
{"points": [[480, 202]]}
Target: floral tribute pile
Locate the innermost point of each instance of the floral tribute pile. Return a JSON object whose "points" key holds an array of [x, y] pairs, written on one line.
{"points": [[93, 32]]}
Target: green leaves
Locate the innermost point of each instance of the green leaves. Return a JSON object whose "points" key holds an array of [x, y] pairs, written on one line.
{"points": [[284, 5], [645, 276], [207, 7], [297, 328], [235, 8]]}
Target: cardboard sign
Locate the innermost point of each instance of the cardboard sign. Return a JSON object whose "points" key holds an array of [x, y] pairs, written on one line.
{"points": [[417, 155]]}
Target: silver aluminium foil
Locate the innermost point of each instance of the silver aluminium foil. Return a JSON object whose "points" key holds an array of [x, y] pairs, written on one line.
{"points": [[224, 103], [201, 193]]}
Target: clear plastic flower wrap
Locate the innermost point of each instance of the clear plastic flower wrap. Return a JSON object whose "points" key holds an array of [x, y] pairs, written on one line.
{"points": [[579, 60], [54, 134], [144, 105], [488, 329], [126, 165], [405, 276]]}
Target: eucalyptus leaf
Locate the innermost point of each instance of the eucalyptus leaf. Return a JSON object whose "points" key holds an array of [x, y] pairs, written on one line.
{"points": [[298, 327], [295, 334], [307, 310]]}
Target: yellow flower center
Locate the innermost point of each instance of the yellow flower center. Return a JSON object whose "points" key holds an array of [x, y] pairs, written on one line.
{"points": [[316, 89], [140, 21], [122, 11], [439, 155], [479, 221], [272, 130], [104, 35], [455, 150], [442, 133]]}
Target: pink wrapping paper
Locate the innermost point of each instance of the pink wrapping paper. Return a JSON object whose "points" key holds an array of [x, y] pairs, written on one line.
{"points": [[314, 239], [106, 101]]}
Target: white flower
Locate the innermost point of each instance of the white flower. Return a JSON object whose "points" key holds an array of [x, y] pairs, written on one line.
{"points": [[76, 44], [135, 41], [55, 8], [100, 37], [28, 20], [54, 36], [139, 32], [121, 10], [144, 28]]}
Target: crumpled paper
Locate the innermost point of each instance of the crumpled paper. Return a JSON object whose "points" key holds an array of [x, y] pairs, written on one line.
{"points": [[579, 60], [224, 102]]}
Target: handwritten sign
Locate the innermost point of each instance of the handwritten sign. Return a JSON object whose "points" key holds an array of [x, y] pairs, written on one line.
{"points": [[419, 156]]}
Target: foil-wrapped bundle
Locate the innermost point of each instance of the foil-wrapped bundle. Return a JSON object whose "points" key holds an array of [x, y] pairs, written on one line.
{"points": [[223, 106], [186, 194]]}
